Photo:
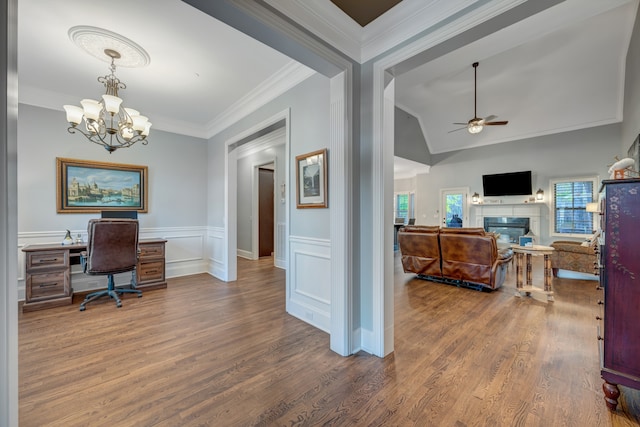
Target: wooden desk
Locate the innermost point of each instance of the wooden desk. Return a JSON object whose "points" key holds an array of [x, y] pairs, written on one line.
{"points": [[48, 272], [528, 251]]}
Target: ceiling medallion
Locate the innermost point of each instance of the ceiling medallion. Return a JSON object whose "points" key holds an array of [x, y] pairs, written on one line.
{"points": [[95, 41], [107, 122]]}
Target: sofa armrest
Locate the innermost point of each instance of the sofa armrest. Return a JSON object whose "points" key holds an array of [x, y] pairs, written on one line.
{"points": [[505, 255]]}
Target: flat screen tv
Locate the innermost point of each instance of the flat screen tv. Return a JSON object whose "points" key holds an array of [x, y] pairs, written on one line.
{"points": [[507, 184]]}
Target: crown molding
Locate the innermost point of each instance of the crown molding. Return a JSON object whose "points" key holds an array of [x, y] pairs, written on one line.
{"points": [[287, 77], [325, 20], [402, 22], [409, 18]]}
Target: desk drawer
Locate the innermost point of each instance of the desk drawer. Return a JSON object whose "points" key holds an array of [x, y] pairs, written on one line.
{"points": [[47, 285], [151, 250], [47, 259], [150, 272]]}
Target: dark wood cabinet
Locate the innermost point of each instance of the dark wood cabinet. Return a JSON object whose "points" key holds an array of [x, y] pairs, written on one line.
{"points": [[619, 335], [48, 272], [150, 269]]}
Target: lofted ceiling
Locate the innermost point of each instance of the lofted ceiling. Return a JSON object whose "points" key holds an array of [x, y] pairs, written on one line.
{"points": [[559, 70]]}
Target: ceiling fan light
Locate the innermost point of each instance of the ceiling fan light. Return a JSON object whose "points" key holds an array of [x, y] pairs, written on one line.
{"points": [[475, 128]]}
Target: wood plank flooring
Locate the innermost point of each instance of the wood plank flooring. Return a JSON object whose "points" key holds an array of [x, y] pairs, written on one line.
{"points": [[207, 353]]}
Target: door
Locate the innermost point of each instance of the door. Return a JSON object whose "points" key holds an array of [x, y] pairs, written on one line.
{"points": [[265, 211], [454, 207]]}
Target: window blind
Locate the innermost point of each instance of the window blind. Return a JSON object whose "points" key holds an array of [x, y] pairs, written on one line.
{"points": [[570, 201]]}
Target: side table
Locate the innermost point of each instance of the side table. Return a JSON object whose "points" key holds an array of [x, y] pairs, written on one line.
{"points": [[528, 251]]}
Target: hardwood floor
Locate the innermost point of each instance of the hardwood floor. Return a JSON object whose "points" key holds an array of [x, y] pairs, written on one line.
{"points": [[205, 352]]}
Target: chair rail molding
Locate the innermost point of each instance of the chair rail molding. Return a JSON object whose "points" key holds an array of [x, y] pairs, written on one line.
{"points": [[188, 252]]}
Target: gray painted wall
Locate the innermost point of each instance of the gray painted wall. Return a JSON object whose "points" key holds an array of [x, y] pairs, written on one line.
{"points": [[177, 173], [579, 153], [309, 130], [409, 142]]}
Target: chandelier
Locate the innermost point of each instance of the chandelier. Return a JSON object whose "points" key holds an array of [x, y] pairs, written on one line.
{"points": [[107, 122]]}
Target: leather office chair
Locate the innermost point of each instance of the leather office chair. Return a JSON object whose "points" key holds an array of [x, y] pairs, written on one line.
{"points": [[112, 247]]}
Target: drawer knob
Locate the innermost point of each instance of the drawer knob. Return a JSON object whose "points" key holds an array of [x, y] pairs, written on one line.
{"points": [[598, 318], [600, 338], [600, 302]]}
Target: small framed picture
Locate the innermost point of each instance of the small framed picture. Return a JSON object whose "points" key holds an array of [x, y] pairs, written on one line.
{"points": [[526, 241], [311, 180]]}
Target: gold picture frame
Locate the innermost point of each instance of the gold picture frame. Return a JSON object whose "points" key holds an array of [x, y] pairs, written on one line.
{"points": [[84, 186], [311, 180]]}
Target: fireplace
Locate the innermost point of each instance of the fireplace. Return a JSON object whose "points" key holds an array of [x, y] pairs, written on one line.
{"points": [[509, 228]]}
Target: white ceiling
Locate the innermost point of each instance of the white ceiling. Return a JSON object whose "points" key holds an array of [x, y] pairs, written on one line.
{"points": [[560, 70]]}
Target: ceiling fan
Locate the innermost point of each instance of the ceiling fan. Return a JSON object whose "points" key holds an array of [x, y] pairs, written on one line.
{"points": [[476, 124]]}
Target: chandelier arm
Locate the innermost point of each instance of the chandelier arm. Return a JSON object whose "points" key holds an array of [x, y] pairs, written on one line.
{"points": [[110, 145], [107, 122]]}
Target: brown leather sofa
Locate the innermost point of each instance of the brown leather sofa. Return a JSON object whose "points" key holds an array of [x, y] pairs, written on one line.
{"points": [[462, 256]]}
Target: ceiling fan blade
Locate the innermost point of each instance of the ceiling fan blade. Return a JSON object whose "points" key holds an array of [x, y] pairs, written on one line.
{"points": [[490, 118], [502, 123], [460, 123], [455, 130]]}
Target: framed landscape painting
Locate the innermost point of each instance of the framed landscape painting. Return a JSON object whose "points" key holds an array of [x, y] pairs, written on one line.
{"points": [[311, 180], [85, 187]]}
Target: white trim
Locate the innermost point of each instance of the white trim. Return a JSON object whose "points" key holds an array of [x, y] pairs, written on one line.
{"points": [[186, 253], [340, 199], [466, 200], [286, 78], [400, 23], [306, 294], [552, 206], [230, 265], [382, 226]]}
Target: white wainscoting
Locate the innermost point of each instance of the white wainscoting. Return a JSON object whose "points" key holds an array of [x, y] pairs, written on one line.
{"points": [[309, 290], [280, 249], [186, 254], [216, 252]]}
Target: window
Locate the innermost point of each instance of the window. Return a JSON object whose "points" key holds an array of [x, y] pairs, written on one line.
{"points": [[404, 206], [570, 198]]}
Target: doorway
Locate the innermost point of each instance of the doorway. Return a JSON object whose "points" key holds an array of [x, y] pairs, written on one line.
{"points": [[266, 217], [454, 208]]}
